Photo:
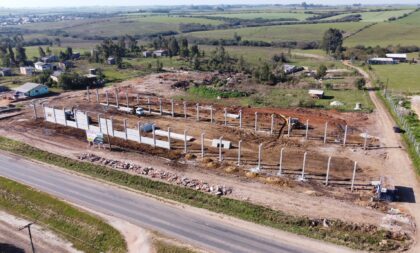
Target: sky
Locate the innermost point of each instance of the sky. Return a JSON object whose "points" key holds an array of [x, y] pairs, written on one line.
{"points": [[76, 3]]}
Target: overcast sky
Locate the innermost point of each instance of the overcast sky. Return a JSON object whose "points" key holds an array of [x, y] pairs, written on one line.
{"points": [[74, 3]]}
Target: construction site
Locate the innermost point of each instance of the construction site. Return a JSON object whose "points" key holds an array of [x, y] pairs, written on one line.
{"points": [[287, 159]]}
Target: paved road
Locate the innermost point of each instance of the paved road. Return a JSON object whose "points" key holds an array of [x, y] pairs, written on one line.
{"points": [[205, 231]]}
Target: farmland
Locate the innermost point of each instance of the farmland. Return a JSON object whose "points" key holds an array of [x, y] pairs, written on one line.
{"points": [[302, 32], [263, 15], [374, 16], [401, 77]]}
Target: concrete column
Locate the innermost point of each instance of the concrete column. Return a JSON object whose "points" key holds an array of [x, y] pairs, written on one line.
{"points": [[259, 156], [328, 171], [325, 132], [220, 148], [365, 143], [307, 129], [172, 108], [88, 93], [169, 137], [138, 99], [239, 152], [34, 105], [303, 167], [345, 136], [99, 123], [272, 124], [87, 119], [280, 173], [116, 98], [240, 118], [148, 105], [112, 124], [198, 112], [256, 122], [107, 98], [75, 118], [154, 135], [125, 129], [202, 144], [225, 111], [97, 95], [55, 118], [107, 133], [160, 106], [185, 141], [126, 99], [289, 127], [139, 129], [211, 114], [185, 109], [354, 176]]}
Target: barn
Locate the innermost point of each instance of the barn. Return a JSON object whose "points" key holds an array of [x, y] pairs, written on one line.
{"points": [[32, 90]]}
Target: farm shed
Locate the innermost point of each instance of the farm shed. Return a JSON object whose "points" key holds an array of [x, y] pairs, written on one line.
{"points": [[397, 57], [377, 61], [111, 61], [316, 93], [147, 54], [40, 66], [49, 59], [32, 90]]}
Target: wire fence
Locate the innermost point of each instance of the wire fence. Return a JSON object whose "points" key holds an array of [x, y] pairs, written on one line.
{"points": [[403, 122]]}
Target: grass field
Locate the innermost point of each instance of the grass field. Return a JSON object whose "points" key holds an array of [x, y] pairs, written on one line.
{"points": [[401, 77], [374, 17], [404, 32], [339, 233], [86, 232], [263, 15], [307, 32]]}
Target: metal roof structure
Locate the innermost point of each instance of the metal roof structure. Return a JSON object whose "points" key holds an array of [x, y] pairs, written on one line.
{"points": [[28, 87]]}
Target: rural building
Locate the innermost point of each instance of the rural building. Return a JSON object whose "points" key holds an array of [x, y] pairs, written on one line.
{"points": [[92, 71], [56, 75], [65, 65], [290, 69], [49, 59], [160, 53], [147, 54], [41, 66], [318, 94], [27, 71], [91, 76], [75, 56], [5, 72], [31, 90], [378, 61], [397, 57], [111, 61]]}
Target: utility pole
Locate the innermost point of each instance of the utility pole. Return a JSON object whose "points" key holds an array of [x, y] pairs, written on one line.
{"points": [[28, 226]]}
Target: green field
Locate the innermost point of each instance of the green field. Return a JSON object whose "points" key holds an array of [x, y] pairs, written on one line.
{"points": [[374, 17], [400, 77], [404, 32], [307, 32], [263, 15]]}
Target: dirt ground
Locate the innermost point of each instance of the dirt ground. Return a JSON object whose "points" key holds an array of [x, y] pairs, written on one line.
{"points": [[310, 198], [12, 240]]}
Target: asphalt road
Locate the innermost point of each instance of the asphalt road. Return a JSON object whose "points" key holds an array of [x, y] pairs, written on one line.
{"points": [[205, 231]]}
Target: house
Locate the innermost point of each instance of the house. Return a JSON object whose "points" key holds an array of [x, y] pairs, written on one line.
{"points": [[147, 54], [377, 61], [56, 75], [160, 53], [40, 66], [318, 94], [397, 57], [49, 59], [111, 61], [5, 72], [31, 90], [27, 71], [65, 65]]}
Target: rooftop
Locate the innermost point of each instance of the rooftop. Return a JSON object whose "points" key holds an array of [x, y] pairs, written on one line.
{"points": [[27, 87]]}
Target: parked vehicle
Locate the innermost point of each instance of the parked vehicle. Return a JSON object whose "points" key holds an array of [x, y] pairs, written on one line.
{"points": [[140, 111]]}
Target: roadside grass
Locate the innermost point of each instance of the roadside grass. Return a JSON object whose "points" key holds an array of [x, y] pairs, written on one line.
{"points": [[401, 77], [164, 247], [85, 231], [350, 235]]}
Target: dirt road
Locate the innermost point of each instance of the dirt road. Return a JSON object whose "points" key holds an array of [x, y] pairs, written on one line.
{"points": [[401, 170]]}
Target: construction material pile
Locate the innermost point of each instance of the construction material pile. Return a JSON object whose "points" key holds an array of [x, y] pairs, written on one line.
{"points": [[158, 174]]}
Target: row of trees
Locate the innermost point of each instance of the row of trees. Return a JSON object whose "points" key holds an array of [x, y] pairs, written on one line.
{"points": [[125, 46], [12, 51]]}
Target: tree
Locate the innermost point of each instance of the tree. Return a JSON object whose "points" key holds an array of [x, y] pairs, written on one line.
{"points": [[20, 55], [321, 72], [41, 52], [48, 51], [332, 41], [184, 51], [69, 53], [360, 83], [195, 51], [159, 66], [173, 46]]}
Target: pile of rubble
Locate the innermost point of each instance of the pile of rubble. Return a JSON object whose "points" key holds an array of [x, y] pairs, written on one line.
{"points": [[158, 174]]}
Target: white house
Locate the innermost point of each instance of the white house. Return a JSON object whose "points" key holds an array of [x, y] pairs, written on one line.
{"points": [[397, 57], [40, 66], [27, 71]]}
